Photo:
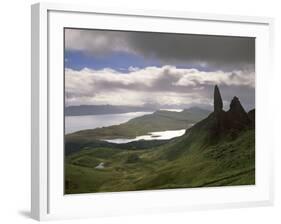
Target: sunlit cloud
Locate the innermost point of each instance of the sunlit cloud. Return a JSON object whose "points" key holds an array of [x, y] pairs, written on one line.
{"points": [[151, 85]]}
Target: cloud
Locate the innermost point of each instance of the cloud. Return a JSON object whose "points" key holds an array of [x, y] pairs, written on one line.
{"points": [[156, 85], [219, 52], [97, 42], [234, 78]]}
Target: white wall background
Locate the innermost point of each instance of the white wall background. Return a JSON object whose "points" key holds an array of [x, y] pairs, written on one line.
{"points": [[15, 111]]}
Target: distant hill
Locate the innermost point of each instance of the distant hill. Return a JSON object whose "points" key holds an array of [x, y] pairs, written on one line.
{"points": [[103, 109], [163, 120]]}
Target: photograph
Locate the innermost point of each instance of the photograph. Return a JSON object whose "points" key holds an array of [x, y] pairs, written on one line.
{"points": [[157, 110]]}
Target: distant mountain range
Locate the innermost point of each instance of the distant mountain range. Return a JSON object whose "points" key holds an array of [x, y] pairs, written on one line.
{"points": [[115, 109], [104, 109]]}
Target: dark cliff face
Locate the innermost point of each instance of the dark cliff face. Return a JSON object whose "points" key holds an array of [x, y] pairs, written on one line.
{"points": [[252, 116], [237, 116], [222, 123]]}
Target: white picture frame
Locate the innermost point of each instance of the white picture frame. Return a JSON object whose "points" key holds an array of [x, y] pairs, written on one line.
{"points": [[47, 198]]}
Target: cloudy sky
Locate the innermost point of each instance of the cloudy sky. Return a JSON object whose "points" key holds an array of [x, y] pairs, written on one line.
{"points": [[140, 68]]}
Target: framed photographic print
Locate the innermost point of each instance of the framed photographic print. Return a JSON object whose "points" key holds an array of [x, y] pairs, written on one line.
{"points": [[148, 111]]}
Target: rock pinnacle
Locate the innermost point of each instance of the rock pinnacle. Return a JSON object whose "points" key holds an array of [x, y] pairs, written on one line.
{"points": [[218, 105]]}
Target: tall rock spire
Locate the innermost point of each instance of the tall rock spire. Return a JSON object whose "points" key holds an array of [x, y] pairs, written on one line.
{"points": [[218, 105]]}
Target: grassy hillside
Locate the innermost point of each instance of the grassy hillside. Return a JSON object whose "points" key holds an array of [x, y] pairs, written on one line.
{"points": [[218, 150], [228, 162]]}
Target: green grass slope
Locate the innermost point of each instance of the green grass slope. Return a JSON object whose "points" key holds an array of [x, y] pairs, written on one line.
{"points": [[177, 164]]}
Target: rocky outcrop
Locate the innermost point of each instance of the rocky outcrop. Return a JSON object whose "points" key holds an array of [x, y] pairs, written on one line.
{"points": [[218, 105], [220, 123], [237, 116], [236, 107]]}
